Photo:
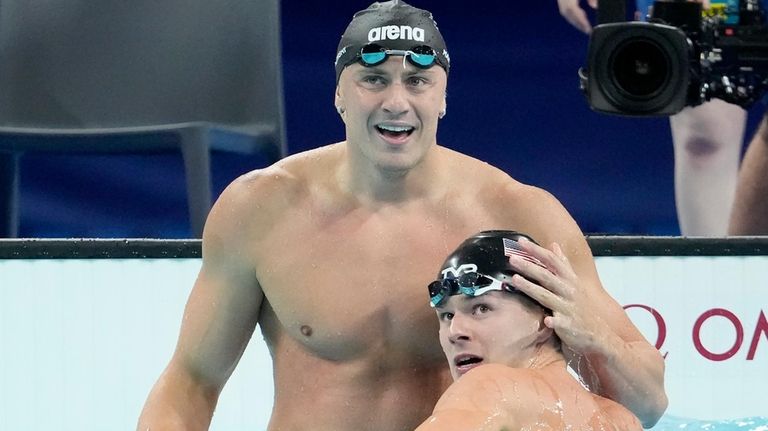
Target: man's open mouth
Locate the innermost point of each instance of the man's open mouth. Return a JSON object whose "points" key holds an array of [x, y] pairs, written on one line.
{"points": [[466, 362], [394, 132]]}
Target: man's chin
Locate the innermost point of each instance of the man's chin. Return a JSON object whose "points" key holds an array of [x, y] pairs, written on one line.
{"points": [[401, 161]]}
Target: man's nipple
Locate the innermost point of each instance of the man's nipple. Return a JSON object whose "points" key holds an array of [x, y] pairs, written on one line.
{"points": [[306, 330]]}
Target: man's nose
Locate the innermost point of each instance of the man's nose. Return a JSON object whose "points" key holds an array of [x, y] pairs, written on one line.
{"points": [[459, 330], [396, 100]]}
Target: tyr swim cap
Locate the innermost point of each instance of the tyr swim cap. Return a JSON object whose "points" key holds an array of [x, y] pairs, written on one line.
{"points": [[478, 265], [392, 25]]}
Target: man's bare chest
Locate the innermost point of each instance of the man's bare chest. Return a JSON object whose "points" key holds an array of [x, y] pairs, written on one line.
{"points": [[353, 287]]}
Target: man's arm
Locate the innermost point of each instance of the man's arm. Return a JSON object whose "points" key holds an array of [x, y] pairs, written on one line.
{"points": [[750, 207], [219, 319], [618, 362], [575, 14], [577, 17]]}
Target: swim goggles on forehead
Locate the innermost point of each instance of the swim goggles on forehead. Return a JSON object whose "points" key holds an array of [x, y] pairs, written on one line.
{"points": [[470, 284], [422, 56]]}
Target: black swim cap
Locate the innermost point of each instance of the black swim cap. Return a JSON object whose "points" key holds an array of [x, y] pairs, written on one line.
{"points": [[485, 253], [391, 25]]}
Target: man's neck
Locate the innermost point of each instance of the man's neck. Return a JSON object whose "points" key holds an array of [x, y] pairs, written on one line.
{"points": [[376, 184], [546, 356]]}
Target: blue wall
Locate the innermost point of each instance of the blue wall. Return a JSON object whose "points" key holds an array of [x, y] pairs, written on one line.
{"points": [[513, 100]]}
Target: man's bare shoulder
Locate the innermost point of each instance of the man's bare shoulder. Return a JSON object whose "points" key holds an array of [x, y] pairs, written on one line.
{"points": [[471, 401], [494, 395], [618, 416], [488, 178], [484, 385], [525, 206], [515, 398], [255, 200], [289, 174]]}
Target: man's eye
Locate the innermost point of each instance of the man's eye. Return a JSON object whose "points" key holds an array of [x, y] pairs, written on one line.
{"points": [[481, 309], [416, 81], [372, 79], [446, 316]]}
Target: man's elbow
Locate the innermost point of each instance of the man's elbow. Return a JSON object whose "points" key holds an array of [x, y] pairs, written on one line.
{"points": [[180, 400], [654, 409], [655, 401]]}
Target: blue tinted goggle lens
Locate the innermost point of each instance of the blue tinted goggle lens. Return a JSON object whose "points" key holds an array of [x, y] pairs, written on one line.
{"points": [[467, 284], [423, 56], [420, 56], [373, 58]]}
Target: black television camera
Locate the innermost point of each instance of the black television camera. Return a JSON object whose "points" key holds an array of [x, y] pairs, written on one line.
{"points": [[679, 58]]}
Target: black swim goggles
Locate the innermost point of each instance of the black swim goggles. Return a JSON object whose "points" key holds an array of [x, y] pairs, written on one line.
{"points": [[470, 284], [421, 56]]}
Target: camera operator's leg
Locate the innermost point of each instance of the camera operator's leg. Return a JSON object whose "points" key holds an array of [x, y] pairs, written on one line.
{"points": [[707, 143], [750, 208]]}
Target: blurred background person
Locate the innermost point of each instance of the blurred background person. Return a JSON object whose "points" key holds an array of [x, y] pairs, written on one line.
{"points": [[750, 209]]}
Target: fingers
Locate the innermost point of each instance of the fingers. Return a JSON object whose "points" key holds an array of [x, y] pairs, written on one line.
{"points": [[577, 18], [559, 252], [558, 323], [549, 322], [550, 283], [555, 261], [592, 3], [531, 271], [536, 292], [574, 14]]}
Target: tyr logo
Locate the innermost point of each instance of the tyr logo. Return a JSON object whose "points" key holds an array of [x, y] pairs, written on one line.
{"points": [[464, 268]]}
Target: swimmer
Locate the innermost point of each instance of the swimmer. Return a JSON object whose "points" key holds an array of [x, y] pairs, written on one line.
{"points": [[326, 251], [508, 368]]}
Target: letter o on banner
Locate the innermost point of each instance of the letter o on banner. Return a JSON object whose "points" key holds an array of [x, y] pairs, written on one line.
{"points": [[661, 334], [697, 334]]}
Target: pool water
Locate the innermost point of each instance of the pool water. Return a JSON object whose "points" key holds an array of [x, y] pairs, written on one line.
{"points": [[668, 422]]}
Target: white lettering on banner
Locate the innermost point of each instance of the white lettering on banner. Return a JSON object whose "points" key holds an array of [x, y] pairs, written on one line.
{"points": [[761, 329], [393, 32]]}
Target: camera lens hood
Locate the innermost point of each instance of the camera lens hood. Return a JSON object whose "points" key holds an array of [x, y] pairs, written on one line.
{"points": [[638, 68]]}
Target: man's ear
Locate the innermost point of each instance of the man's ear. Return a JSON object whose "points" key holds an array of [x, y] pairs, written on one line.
{"points": [[544, 333], [338, 101], [443, 107], [337, 98]]}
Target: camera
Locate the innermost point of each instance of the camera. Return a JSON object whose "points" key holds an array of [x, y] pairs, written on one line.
{"points": [[683, 56]]}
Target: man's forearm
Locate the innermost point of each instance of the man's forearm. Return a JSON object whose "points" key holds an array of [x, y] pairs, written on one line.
{"points": [[631, 374], [171, 407]]}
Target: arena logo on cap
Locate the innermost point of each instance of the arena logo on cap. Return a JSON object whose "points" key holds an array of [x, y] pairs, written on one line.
{"points": [[393, 32], [338, 56]]}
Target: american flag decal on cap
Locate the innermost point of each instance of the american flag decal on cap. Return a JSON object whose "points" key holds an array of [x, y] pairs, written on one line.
{"points": [[512, 248]]}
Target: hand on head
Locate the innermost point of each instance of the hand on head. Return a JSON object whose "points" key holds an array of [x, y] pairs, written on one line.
{"points": [[558, 288]]}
